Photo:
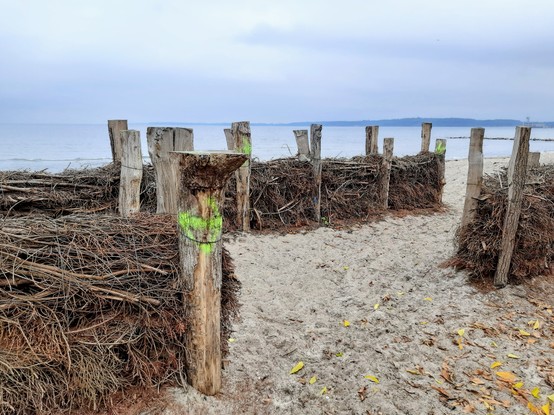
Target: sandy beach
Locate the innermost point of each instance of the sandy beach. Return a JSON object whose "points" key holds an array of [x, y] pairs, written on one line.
{"points": [[380, 327]]}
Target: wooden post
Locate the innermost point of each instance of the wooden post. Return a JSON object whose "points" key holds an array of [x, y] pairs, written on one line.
{"points": [[534, 159], [229, 138], [474, 175], [161, 141], [114, 129], [201, 178], [440, 150], [243, 144], [426, 136], [517, 172], [388, 148], [131, 173], [315, 141], [303, 144], [371, 139]]}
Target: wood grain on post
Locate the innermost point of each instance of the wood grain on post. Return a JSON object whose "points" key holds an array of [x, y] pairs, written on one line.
{"points": [[131, 173], [517, 173], [426, 136], [303, 144], [243, 144], [440, 151], [161, 141], [229, 138], [474, 175], [201, 179], [315, 141], [114, 129], [371, 139], [386, 166]]}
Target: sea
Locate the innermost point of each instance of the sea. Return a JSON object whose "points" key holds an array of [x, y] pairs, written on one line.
{"points": [[55, 147]]}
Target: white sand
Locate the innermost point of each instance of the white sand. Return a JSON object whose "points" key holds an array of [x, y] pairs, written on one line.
{"points": [[299, 288]]}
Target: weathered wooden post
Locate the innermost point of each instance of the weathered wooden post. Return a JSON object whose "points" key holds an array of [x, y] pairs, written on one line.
{"points": [[534, 159], [426, 136], [440, 151], [114, 129], [201, 178], [229, 138], [303, 144], [371, 139], [474, 175], [315, 141], [386, 166], [131, 173], [517, 173], [161, 141], [243, 144]]}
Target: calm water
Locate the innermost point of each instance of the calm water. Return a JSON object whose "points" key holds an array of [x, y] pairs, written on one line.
{"points": [[55, 147]]}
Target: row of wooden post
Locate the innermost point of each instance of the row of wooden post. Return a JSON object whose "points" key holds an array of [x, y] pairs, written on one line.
{"points": [[190, 185], [520, 161]]}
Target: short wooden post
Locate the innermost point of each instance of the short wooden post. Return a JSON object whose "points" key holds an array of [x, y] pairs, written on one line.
{"points": [[315, 141], [243, 144], [386, 166], [131, 173], [161, 141], [201, 178], [114, 129], [303, 144], [371, 139], [229, 138], [534, 159], [440, 151], [474, 175], [426, 136], [517, 172]]}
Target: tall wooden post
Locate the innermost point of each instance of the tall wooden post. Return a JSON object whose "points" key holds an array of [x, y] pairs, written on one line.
{"points": [[371, 139], [131, 173], [517, 172], [114, 129], [315, 141], [303, 144], [388, 148], [426, 136], [474, 175], [243, 144], [440, 151], [201, 179], [161, 141], [229, 138]]}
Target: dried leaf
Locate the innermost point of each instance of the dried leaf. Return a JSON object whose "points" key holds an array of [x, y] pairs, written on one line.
{"points": [[297, 368], [313, 380], [345, 268], [376, 306], [493, 344], [361, 393], [495, 364], [513, 356], [518, 385], [546, 408], [477, 381], [346, 323], [551, 397], [507, 376], [534, 409], [535, 392], [446, 374], [442, 391], [231, 340], [524, 333], [427, 299], [461, 332], [324, 390], [372, 378], [537, 325]]}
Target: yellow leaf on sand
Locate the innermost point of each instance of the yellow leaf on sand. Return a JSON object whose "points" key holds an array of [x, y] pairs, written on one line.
{"points": [[297, 368], [513, 356], [339, 354], [537, 325], [413, 371], [427, 299], [493, 344], [346, 323], [345, 268], [546, 408], [551, 397], [507, 376], [313, 380], [461, 332], [496, 364], [535, 392], [518, 385], [376, 306], [324, 390], [231, 340], [524, 333], [372, 378]]}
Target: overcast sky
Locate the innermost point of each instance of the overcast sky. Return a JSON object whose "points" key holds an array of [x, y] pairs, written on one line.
{"points": [[275, 61]]}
